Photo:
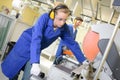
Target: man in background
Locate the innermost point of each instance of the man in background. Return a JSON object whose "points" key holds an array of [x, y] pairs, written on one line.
{"points": [[73, 31]]}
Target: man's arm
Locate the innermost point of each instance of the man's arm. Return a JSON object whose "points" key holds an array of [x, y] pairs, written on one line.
{"points": [[72, 44]]}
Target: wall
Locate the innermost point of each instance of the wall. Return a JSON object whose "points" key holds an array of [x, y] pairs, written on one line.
{"points": [[82, 31], [7, 3], [29, 15], [19, 27]]}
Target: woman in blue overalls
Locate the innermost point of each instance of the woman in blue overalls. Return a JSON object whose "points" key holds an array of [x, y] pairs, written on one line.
{"points": [[47, 29]]}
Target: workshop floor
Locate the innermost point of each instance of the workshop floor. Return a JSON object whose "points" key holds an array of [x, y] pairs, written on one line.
{"points": [[45, 66]]}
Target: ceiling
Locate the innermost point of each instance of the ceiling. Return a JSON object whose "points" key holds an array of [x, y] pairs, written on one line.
{"points": [[100, 10]]}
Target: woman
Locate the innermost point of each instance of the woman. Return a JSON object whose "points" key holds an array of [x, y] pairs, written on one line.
{"points": [[47, 29]]}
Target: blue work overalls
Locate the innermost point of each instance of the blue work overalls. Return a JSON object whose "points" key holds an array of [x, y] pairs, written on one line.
{"points": [[62, 44], [33, 40]]}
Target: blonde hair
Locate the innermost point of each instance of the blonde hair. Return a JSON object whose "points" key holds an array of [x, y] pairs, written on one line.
{"points": [[60, 7], [63, 8]]}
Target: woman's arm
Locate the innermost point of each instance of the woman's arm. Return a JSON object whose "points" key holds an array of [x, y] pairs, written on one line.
{"points": [[37, 35]]}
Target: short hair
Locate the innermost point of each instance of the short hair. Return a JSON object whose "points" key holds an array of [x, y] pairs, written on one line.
{"points": [[79, 18]]}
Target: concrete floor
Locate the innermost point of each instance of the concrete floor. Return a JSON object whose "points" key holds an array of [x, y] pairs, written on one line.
{"points": [[45, 66], [2, 77]]}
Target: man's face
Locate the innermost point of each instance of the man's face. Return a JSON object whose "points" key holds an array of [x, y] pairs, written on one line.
{"points": [[60, 19], [78, 23]]}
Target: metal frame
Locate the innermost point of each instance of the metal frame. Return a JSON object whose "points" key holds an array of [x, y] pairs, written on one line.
{"points": [[9, 33], [107, 49]]}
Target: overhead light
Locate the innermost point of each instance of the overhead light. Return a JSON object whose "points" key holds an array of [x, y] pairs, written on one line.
{"points": [[17, 4]]}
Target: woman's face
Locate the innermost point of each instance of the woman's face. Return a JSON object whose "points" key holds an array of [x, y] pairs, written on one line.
{"points": [[60, 19]]}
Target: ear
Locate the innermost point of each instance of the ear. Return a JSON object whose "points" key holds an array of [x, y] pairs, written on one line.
{"points": [[52, 14], [74, 21]]}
